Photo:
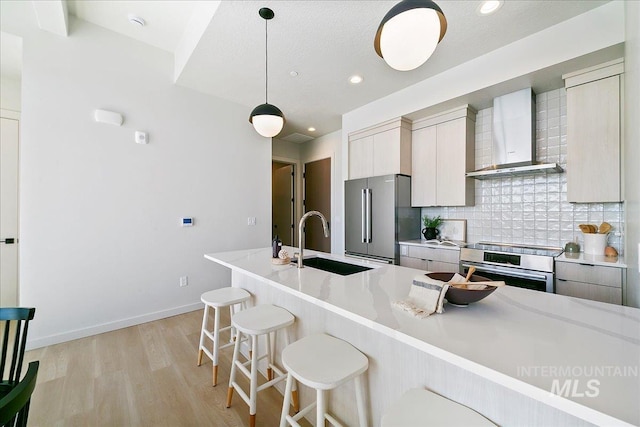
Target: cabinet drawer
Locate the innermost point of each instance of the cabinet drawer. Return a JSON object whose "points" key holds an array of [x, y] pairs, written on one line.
{"points": [[418, 263], [442, 267], [587, 273], [588, 291], [432, 254]]}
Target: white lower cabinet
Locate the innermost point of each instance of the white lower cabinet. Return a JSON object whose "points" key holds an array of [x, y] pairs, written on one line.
{"points": [[588, 281], [429, 259]]}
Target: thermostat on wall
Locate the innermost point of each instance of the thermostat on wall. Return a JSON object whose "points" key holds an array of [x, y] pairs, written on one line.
{"points": [[186, 222]]}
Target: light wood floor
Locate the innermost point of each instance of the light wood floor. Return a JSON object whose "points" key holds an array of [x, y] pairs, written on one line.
{"points": [[145, 375]]}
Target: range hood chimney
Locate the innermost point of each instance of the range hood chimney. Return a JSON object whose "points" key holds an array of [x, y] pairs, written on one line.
{"points": [[513, 149]]}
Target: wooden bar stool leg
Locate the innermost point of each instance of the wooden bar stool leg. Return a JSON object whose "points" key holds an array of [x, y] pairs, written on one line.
{"points": [[287, 401], [253, 392], [321, 408], [362, 413], [232, 374], [269, 342], [216, 344], [204, 326]]}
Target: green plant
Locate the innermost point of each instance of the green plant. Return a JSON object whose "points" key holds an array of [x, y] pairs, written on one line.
{"points": [[431, 222]]}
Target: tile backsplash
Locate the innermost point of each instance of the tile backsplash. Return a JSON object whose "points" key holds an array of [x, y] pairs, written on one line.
{"points": [[532, 209]]}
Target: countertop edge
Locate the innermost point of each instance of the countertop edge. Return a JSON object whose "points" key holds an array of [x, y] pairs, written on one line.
{"points": [[600, 260]]}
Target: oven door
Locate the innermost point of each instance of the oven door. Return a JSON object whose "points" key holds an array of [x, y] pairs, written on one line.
{"points": [[529, 279]]}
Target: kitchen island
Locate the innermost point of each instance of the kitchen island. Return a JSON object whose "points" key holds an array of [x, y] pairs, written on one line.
{"points": [[518, 357]]}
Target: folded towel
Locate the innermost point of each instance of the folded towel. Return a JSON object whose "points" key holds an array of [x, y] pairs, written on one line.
{"points": [[426, 297]]}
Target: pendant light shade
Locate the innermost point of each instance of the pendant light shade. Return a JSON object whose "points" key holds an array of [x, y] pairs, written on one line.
{"points": [[267, 119], [409, 33]]}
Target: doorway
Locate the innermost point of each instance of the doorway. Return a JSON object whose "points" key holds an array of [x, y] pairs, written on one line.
{"points": [[317, 197], [283, 202], [9, 142]]}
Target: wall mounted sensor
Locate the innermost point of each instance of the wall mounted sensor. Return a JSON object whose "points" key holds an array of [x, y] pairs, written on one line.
{"points": [[186, 222], [141, 137], [104, 116]]}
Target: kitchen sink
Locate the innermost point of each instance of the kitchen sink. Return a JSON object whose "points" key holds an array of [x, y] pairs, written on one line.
{"points": [[333, 266]]}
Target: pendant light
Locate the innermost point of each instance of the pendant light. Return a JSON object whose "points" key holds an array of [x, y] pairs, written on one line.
{"points": [[409, 33], [267, 119]]}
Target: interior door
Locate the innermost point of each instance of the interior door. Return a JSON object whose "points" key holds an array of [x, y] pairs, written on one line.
{"points": [[8, 212], [383, 216], [317, 197], [282, 210]]}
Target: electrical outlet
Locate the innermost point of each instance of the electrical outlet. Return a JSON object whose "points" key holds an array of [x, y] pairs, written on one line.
{"points": [[251, 220], [184, 281]]}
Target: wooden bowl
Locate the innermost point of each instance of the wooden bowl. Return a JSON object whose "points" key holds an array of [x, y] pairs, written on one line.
{"points": [[461, 296]]}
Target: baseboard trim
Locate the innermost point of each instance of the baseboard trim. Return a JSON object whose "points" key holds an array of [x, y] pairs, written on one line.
{"points": [[110, 326]]}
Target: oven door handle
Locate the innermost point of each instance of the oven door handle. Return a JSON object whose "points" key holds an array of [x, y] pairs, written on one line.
{"points": [[506, 273]]}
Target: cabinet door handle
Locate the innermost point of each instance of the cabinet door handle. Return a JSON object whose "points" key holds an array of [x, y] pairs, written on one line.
{"points": [[369, 231], [364, 218]]}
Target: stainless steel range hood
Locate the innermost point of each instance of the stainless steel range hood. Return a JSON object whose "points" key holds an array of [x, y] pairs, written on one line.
{"points": [[513, 150]]}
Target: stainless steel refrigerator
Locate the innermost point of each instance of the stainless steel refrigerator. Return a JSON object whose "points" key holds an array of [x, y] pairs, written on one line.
{"points": [[378, 214]]}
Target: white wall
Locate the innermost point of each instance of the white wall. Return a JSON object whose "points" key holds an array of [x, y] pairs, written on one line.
{"points": [[632, 148], [285, 149], [100, 243], [10, 94], [330, 146]]}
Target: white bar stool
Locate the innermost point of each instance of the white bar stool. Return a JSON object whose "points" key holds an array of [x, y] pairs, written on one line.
{"points": [[324, 363], [216, 299], [419, 407], [260, 320]]}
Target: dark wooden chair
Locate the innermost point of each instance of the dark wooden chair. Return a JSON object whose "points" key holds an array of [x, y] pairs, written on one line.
{"points": [[15, 322], [14, 407]]}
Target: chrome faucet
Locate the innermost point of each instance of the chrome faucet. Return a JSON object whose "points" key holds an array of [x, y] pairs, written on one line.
{"points": [[325, 227]]}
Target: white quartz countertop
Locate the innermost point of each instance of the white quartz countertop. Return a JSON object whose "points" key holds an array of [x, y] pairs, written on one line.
{"points": [[582, 258], [430, 244], [522, 339]]}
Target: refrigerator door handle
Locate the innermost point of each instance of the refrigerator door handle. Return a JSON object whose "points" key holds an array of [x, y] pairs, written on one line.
{"points": [[363, 214], [368, 215]]}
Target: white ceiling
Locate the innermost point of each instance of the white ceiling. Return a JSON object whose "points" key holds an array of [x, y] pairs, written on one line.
{"points": [[166, 20], [324, 41]]}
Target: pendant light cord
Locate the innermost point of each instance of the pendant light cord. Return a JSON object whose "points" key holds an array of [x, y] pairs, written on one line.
{"points": [[266, 62]]}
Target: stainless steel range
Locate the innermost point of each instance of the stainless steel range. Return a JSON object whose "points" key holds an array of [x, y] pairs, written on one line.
{"points": [[523, 266]]}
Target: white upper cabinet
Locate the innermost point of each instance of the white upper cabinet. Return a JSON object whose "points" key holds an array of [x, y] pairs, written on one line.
{"points": [[594, 133], [443, 152], [423, 180], [383, 149]]}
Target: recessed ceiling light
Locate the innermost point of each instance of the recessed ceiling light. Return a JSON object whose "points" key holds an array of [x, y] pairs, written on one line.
{"points": [[355, 79], [488, 7], [294, 74], [136, 20], [311, 129]]}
